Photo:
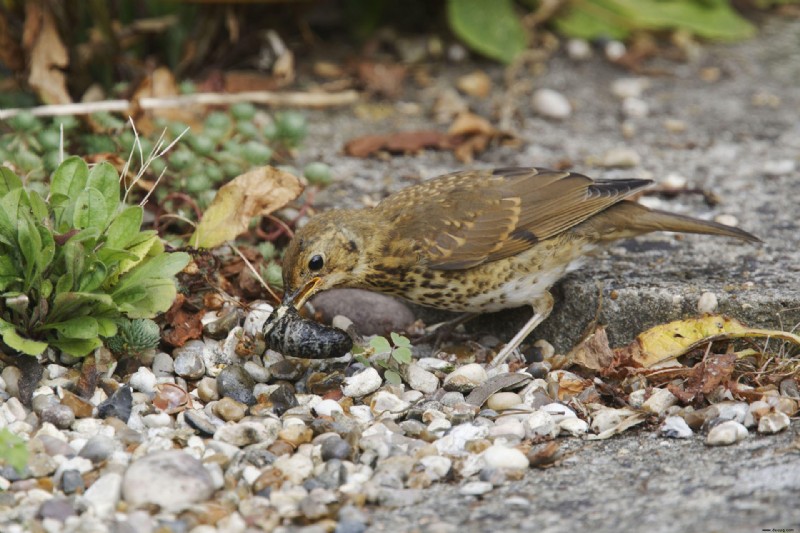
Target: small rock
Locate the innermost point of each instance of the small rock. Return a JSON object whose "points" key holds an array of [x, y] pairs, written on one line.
{"points": [[558, 411], [296, 468], [674, 125], [283, 399], [501, 457], [104, 494], [234, 382], [229, 409], [659, 401], [728, 432], [707, 303], [621, 157], [635, 108], [477, 84], [501, 401], [614, 50], [119, 405], [465, 378], [365, 382], [551, 104], [421, 380], [475, 488], [774, 422], [189, 362], [248, 432], [755, 411], [624, 88], [97, 449], [335, 448], [726, 220], [80, 407], [456, 439], [59, 415], [42, 401], [606, 418], [207, 389], [56, 508], [260, 374], [540, 424], [163, 365], [286, 370], [728, 411], [508, 428], [198, 420], [386, 402], [11, 376], [254, 321], [573, 426], [779, 167], [327, 408], [372, 313], [143, 380], [579, 49], [675, 427], [71, 481], [436, 466], [169, 479]]}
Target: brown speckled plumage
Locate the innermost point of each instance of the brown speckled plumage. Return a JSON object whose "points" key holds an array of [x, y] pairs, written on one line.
{"points": [[475, 241]]}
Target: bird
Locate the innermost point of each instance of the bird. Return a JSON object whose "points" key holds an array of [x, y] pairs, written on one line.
{"points": [[476, 241]]}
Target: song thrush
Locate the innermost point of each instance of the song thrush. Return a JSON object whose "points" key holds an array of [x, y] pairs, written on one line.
{"points": [[476, 241]]}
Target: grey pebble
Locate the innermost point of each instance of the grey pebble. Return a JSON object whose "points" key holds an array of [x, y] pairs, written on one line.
{"points": [[234, 382], [199, 421], [119, 405], [97, 449], [169, 479], [371, 313], [189, 361], [162, 365], [335, 448], [56, 508], [286, 370], [42, 401], [59, 415]]}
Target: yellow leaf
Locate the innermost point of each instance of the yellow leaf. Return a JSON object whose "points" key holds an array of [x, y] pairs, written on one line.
{"points": [[258, 192]]}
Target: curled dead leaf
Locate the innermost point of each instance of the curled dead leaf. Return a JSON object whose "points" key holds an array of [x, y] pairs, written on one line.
{"points": [[593, 352], [47, 55], [258, 192]]}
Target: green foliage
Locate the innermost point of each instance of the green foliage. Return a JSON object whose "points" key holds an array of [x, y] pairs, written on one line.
{"points": [[74, 263], [134, 336], [392, 356], [13, 450], [712, 19], [490, 28]]}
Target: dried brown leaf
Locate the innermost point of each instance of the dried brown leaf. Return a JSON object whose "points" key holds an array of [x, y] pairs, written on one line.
{"points": [[185, 325], [403, 142], [593, 352], [47, 55]]}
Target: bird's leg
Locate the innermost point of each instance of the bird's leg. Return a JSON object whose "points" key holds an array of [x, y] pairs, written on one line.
{"points": [[542, 307]]}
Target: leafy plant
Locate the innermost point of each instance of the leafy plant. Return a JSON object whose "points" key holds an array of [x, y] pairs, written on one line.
{"points": [[134, 336], [490, 28], [74, 263], [391, 356], [13, 450]]}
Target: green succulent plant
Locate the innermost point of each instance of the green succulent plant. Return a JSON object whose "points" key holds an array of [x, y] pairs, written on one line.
{"points": [[134, 336], [74, 263]]}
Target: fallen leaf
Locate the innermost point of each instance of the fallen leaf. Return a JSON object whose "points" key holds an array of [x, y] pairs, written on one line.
{"points": [[404, 142], [184, 325], [258, 192], [623, 426], [706, 376], [161, 83], [236, 81], [593, 352], [47, 55], [546, 455]]}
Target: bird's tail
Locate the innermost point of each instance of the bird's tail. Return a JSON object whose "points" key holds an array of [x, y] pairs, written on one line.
{"points": [[628, 219]]}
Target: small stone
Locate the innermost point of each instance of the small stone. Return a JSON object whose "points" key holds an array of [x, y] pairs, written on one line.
{"points": [[573, 426], [229, 409], [296, 434], [254, 321], [104, 494], [477, 84], [621, 157], [246, 433], [365, 382], [286, 370], [475, 488], [421, 380], [59, 415], [71, 481], [436, 466], [260, 374], [774, 422], [675, 427], [327, 408], [624, 88], [119, 405], [606, 418], [501, 457], [501, 401], [97, 449], [169, 479], [207, 389], [635, 108], [163, 365], [755, 411], [335, 448], [707, 303], [508, 428], [11, 376], [56, 508], [659, 401], [558, 411], [579, 49], [386, 402], [218, 325], [372, 313], [729, 411], [198, 420], [614, 50], [728, 432], [540, 424], [157, 420], [779, 167], [465, 378], [42, 401], [296, 468], [234, 382], [551, 104], [80, 407], [189, 362], [674, 125], [454, 442], [143, 380], [726, 220]]}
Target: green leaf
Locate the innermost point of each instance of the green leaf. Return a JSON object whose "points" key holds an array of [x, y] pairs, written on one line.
{"points": [[392, 377], [47, 251], [13, 450], [74, 259], [713, 19], [105, 179], [158, 298], [13, 204], [490, 28], [30, 244], [380, 345], [70, 177], [160, 266], [18, 342], [8, 180], [83, 327], [106, 327], [92, 277], [77, 347], [594, 19], [125, 227], [8, 267], [90, 210], [38, 206], [402, 355], [67, 305], [399, 340]]}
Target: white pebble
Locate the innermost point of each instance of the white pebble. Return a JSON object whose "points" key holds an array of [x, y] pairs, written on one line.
{"points": [[622, 157], [779, 167], [327, 408], [635, 107], [254, 321], [143, 380], [636, 398], [573, 426], [365, 382], [774, 422], [104, 494], [453, 443], [386, 402], [296, 468], [505, 458], [500, 401], [540, 424], [509, 427], [707, 303], [466, 377], [579, 49], [551, 104], [728, 220], [436, 466], [755, 411], [475, 488], [421, 380], [728, 432], [615, 50], [624, 88], [659, 401], [675, 427], [559, 411], [606, 418], [674, 181]]}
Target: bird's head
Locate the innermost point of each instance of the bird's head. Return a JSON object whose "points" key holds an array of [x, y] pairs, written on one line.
{"points": [[325, 253]]}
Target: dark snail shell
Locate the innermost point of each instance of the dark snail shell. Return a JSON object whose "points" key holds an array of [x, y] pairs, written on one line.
{"points": [[285, 331]]}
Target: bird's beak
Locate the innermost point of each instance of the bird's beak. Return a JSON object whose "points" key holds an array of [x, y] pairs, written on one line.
{"points": [[300, 296]]}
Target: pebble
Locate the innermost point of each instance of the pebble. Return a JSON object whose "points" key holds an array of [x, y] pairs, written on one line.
{"points": [[635, 108], [540, 424], [727, 220], [421, 379], [551, 104], [163, 366], [229, 409], [501, 457], [119, 405], [207, 389], [779, 167], [365, 382], [104, 494], [59, 415], [80, 407], [621, 157], [188, 362], [659, 401], [559, 412], [465, 378], [729, 411], [259, 373], [774, 422], [755, 411], [248, 432], [573, 426], [254, 321], [579, 49], [169, 479], [675, 427], [11, 376], [475, 488], [605, 418], [234, 382], [707, 303], [98, 448], [372, 313], [384, 402], [71, 482], [143, 380], [477, 84], [335, 448], [501, 401], [726, 433], [614, 50], [327, 408], [624, 88]]}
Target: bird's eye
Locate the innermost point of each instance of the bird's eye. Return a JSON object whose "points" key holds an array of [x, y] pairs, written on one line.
{"points": [[316, 263]]}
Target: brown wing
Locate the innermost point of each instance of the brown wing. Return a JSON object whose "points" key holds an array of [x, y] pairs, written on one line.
{"points": [[468, 218]]}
